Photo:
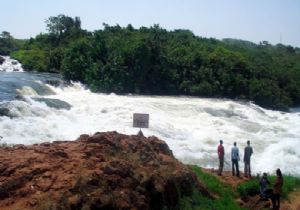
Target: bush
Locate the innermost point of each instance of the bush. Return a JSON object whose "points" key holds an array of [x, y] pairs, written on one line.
{"points": [[248, 188], [32, 60]]}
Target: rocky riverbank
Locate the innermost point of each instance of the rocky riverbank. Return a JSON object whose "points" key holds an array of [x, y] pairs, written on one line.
{"points": [[103, 171], [114, 171]]}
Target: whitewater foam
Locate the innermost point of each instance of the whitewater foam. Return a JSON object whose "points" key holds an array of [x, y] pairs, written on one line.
{"points": [[191, 126], [11, 65]]}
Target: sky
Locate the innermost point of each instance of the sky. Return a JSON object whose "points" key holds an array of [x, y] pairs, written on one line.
{"points": [[275, 21]]}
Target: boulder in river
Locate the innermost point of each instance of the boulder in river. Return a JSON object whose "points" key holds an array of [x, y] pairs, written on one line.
{"points": [[4, 112], [54, 103], [1, 60]]}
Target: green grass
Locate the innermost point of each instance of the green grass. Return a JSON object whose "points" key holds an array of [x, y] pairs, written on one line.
{"points": [[226, 196], [196, 201], [251, 187], [290, 184], [248, 188]]}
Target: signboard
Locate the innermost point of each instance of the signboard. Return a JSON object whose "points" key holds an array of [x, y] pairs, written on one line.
{"points": [[140, 120]]}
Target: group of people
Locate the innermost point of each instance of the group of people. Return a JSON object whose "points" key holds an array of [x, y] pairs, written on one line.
{"points": [[265, 193], [274, 193], [235, 158]]}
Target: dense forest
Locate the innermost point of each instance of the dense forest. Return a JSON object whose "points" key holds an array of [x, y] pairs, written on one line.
{"points": [[157, 61]]}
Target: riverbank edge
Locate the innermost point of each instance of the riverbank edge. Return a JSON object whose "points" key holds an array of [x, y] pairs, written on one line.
{"points": [[33, 170], [239, 193]]}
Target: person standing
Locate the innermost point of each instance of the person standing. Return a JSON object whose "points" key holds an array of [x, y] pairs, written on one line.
{"points": [[235, 158], [277, 189], [221, 157], [247, 155]]}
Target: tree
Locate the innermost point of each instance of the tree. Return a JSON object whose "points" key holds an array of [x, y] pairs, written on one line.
{"points": [[78, 63], [61, 24], [7, 43], [157, 61], [6, 35]]}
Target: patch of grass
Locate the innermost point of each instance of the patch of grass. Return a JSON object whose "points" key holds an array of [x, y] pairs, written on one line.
{"points": [[226, 196], [251, 187], [248, 188], [290, 184], [196, 201]]}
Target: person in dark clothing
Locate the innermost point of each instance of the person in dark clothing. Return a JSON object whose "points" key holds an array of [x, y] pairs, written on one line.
{"points": [[263, 183], [277, 189], [247, 155], [221, 157], [235, 158]]}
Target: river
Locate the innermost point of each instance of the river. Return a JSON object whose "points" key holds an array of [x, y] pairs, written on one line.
{"points": [[40, 107]]}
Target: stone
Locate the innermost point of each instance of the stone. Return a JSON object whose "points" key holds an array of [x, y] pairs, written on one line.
{"points": [[107, 170], [1, 60]]}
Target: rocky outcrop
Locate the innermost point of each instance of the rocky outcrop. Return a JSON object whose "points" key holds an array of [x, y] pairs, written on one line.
{"points": [[1, 60], [54, 103], [103, 171], [4, 111]]}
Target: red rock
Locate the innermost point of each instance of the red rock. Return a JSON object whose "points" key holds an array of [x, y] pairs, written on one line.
{"points": [[103, 171]]}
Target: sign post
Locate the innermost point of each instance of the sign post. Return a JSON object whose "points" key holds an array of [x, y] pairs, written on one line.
{"points": [[140, 120]]}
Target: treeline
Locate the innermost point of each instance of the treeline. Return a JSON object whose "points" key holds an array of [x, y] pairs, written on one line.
{"points": [[156, 61], [8, 43]]}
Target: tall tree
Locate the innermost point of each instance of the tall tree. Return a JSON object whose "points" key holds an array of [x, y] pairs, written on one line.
{"points": [[61, 24]]}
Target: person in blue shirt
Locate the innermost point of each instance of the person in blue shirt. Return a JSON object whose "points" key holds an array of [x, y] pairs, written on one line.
{"points": [[235, 158]]}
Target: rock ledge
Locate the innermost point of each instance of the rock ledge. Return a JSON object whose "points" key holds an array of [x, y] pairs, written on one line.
{"points": [[104, 171]]}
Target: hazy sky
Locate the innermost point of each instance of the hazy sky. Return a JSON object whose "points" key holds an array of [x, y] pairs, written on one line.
{"points": [[253, 20]]}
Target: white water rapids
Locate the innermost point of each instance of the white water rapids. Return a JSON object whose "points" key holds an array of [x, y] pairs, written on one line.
{"points": [[191, 126], [10, 65]]}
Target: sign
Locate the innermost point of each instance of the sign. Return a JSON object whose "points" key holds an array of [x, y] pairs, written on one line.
{"points": [[140, 120]]}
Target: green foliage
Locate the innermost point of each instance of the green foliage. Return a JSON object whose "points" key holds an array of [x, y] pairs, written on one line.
{"points": [[267, 93], [290, 184], [251, 187], [196, 202], [226, 196], [32, 59], [61, 24], [8, 43], [225, 200], [248, 188], [78, 63], [156, 61]]}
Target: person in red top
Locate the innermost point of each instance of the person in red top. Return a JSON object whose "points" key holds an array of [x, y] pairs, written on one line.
{"points": [[221, 157]]}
